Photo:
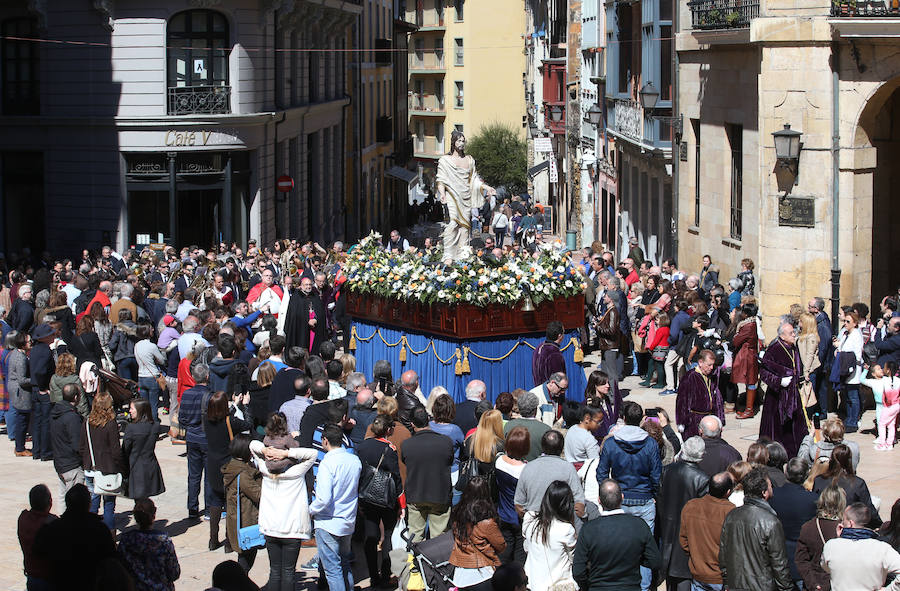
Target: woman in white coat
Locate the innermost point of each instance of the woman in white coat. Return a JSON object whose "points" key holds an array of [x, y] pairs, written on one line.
{"points": [[850, 340], [550, 539], [283, 511]]}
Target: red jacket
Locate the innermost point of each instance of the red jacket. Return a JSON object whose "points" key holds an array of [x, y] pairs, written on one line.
{"points": [[661, 338], [104, 301]]}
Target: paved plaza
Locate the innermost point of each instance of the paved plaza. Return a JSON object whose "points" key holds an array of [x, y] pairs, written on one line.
{"points": [[879, 469]]}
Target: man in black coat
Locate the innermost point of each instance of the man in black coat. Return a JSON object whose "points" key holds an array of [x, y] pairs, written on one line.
{"points": [[305, 322], [465, 419], [41, 366], [21, 314], [65, 437], [428, 456], [682, 481], [794, 506], [718, 454], [75, 545], [610, 550]]}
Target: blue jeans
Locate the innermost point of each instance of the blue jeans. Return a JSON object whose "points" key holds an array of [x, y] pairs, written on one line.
{"points": [[11, 422], [109, 504], [335, 556], [40, 435], [853, 405], [149, 389], [700, 586], [127, 368], [647, 512], [196, 460]]}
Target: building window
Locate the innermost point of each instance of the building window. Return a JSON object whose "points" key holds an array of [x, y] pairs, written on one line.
{"points": [[419, 48], [21, 68], [458, 51], [459, 94], [736, 139], [197, 53], [665, 62], [695, 124], [459, 10], [626, 39], [439, 7], [439, 94]]}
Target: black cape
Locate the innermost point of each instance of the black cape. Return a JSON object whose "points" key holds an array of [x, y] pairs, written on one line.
{"points": [[296, 325]]}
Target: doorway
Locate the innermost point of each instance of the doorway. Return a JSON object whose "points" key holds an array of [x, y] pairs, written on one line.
{"points": [[198, 217], [886, 194]]}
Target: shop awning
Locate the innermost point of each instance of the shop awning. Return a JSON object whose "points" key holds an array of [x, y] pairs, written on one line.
{"points": [[535, 170], [401, 174]]}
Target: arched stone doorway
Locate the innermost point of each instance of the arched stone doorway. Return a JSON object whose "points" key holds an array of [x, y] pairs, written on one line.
{"points": [[879, 130]]}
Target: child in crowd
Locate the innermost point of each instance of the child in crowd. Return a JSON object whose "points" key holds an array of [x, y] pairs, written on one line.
{"points": [[885, 385], [277, 436]]}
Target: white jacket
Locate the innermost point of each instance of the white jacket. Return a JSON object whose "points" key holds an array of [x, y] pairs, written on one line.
{"points": [[860, 565], [551, 562], [853, 343], [283, 506]]}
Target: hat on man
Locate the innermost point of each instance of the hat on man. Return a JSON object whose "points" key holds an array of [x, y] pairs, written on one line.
{"points": [[169, 320], [42, 331]]}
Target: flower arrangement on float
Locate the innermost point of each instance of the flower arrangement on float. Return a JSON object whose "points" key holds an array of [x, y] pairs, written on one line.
{"points": [[420, 276]]}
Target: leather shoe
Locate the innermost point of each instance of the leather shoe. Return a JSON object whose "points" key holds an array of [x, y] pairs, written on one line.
{"points": [[747, 413], [23, 454]]}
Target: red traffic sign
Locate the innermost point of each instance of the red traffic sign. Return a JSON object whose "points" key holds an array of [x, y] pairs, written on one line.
{"points": [[285, 183]]}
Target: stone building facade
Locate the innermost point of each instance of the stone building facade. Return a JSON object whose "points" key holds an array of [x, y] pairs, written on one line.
{"points": [[130, 122], [830, 71]]}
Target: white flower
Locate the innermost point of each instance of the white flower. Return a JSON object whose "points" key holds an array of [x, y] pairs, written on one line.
{"points": [[568, 283]]}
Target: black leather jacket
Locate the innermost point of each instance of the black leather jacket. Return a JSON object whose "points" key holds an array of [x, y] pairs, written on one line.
{"points": [[406, 403], [752, 555], [681, 482]]}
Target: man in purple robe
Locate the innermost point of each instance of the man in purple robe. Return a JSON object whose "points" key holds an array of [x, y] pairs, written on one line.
{"points": [[783, 414], [698, 396], [547, 358]]}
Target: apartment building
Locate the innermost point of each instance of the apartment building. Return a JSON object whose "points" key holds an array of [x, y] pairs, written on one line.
{"points": [[466, 70]]}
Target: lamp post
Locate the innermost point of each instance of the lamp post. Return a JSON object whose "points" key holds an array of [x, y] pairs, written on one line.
{"points": [[556, 113]]}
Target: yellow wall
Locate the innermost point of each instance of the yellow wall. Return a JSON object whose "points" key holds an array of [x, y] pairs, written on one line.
{"points": [[494, 62]]}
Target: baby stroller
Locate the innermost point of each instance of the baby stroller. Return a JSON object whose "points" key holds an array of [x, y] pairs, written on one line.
{"points": [[431, 558]]}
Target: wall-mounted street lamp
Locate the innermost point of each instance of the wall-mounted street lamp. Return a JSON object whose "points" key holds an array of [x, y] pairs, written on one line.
{"points": [[595, 115], [649, 96], [556, 113], [787, 148]]}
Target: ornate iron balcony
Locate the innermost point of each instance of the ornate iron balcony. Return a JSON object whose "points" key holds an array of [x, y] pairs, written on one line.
{"points": [[188, 100], [723, 14], [863, 8]]}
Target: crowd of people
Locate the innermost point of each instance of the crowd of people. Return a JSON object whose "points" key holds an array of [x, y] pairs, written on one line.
{"points": [[538, 488]]}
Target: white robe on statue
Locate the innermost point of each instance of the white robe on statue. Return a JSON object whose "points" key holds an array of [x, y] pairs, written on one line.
{"points": [[463, 190]]}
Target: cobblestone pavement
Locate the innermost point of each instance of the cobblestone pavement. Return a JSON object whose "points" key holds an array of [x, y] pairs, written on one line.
{"points": [[879, 469]]}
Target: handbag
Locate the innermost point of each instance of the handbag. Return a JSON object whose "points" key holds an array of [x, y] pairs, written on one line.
{"points": [[249, 538], [640, 343], [377, 486], [161, 382], [660, 353], [104, 484], [808, 394]]}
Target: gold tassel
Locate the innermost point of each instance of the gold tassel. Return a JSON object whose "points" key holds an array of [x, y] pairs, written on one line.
{"points": [[458, 369], [578, 356], [403, 350], [465, 363], [352, 345]]}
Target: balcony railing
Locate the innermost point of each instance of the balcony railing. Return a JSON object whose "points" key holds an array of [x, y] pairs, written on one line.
{"points": [[188, 100], [428, 147], [429, 19], [430, 60], [723, 14], [426, 103], [863, 8]]}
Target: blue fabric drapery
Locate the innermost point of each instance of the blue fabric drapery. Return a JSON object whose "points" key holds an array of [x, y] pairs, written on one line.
{"points": [[499, 376]]}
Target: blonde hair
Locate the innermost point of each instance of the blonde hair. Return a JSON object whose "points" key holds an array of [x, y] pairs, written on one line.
{"points": [[433, 395], [388, 406], [65, 365], [488, 436], [808, 325], [102, 411], [348, 362], [819, 467]]}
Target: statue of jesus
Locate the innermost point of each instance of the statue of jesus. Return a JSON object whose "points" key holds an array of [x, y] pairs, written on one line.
{"points": [[461, 189]]}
